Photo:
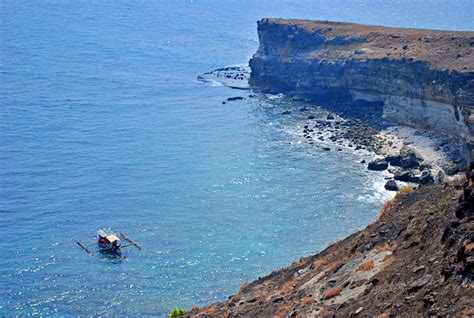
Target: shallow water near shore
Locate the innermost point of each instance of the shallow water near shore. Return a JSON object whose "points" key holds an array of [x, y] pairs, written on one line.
{"points": [[103, 123]]}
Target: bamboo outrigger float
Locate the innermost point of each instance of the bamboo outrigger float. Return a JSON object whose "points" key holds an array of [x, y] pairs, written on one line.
{"points": [[109, 243]]}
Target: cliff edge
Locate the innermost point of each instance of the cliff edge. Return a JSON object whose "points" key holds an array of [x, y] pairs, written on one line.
{"points": [[421, 78]]}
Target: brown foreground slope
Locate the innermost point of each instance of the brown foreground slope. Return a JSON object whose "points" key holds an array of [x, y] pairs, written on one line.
{"points": [[416, 260]]}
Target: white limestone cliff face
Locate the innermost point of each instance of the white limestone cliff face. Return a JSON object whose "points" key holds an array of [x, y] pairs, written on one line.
{"points": [[431, 115]]}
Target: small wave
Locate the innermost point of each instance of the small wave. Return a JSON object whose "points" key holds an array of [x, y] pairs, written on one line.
{"points": [[212, 82]]}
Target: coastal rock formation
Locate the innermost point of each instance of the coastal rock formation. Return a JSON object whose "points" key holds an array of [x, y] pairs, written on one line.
{"points": [[421, 78], [417, 259], [232, 76], [378, 165]]}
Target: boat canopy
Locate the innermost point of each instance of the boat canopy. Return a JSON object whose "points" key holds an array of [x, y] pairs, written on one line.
{"points": [[112, 238], [109, 237]]}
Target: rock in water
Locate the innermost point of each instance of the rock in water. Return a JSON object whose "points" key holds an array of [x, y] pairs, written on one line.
{"points": [[230, 99], [391, 185], [378, 165], [233, 76]]}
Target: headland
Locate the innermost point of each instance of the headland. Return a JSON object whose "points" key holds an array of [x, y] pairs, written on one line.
{"points": [[407, 95]]}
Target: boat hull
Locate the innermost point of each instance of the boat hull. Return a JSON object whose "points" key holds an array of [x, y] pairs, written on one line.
{"points": [[106, 248]]}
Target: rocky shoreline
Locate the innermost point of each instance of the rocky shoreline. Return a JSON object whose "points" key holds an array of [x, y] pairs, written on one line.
{"points": [[411, 156]]}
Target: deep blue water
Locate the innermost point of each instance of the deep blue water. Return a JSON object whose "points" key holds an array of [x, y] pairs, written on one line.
{"points": [[104, 124]]}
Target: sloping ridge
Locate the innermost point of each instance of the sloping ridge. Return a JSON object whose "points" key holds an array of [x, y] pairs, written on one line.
{"points": [[416, 260]]}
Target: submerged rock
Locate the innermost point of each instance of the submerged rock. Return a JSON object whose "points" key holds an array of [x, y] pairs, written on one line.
{"points": [[230, 99]]}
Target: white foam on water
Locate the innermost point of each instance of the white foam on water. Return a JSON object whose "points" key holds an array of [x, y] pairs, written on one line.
{"points": [[212, 82], [375, 185]]}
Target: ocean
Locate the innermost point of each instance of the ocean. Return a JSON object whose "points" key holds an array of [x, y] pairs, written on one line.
{"points": [[104, 124]]}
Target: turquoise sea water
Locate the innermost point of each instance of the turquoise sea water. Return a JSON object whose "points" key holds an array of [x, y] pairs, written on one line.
{"points": [[104, 124]]}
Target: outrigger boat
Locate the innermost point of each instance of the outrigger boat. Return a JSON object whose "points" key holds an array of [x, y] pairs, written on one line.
{"points": [[109, 243]]}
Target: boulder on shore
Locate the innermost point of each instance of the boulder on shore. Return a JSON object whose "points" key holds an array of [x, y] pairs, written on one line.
{"points": [[378, 165], [391, 185], [407, 159], [394, 160], [426, 177], [406, 176]]}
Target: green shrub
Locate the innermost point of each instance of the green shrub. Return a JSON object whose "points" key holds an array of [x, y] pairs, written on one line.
{"points": [[443, 203], [176, 312]]}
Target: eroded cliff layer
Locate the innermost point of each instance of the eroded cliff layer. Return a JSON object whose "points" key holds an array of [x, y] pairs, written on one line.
{"points": [[424, 78]]}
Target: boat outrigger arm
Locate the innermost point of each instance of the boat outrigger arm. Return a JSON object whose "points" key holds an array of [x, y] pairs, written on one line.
{"points": [[129, 240], [84, 248]]}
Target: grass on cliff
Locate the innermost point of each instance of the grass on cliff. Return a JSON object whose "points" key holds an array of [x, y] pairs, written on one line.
{"points": [[366, 266], [390, 203], [437, 209], [333, 292], [176, 312]]}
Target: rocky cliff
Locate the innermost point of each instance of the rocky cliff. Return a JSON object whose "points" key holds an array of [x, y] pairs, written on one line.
{"points": [[421, 78], [417, 260]]}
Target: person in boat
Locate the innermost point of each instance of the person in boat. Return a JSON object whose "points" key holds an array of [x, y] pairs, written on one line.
{"points": [[115, 246], [102, 240]]}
